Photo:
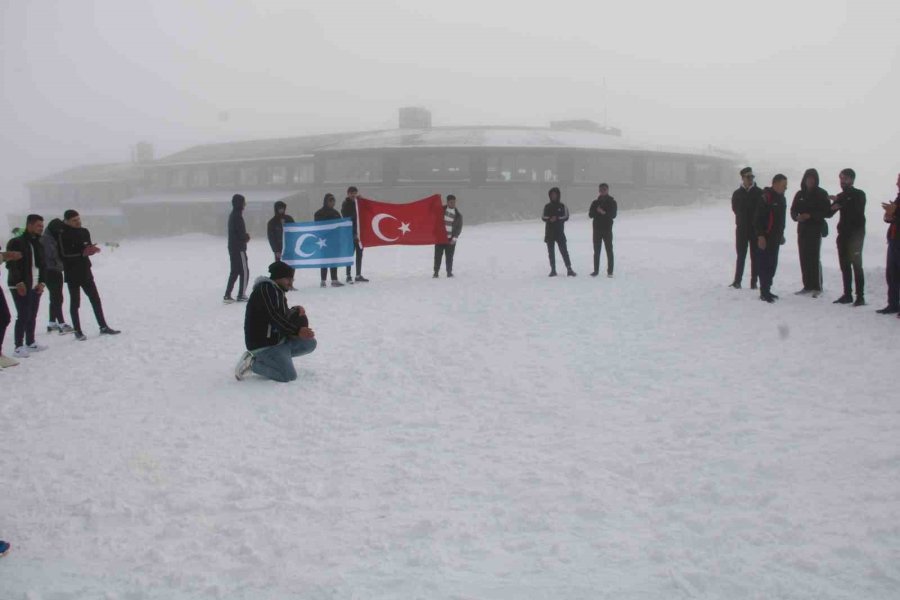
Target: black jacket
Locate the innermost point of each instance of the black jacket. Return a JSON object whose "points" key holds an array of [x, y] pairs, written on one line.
{"points": [[813, 201], [852, 203], [21, 271], [603, 223], [743, 205], [348, 210], [456, 228], [50, 242], [275, 231], [72, 243], [768, 221], [893, 232], [325, 214], [237, 229], [555, 231], [267, 319]]}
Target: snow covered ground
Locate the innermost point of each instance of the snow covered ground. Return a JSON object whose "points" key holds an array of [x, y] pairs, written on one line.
{"points": [[500, 435]]}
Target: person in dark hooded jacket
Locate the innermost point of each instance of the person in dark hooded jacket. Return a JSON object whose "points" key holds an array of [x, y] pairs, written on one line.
{"points": [[275, 228], [768, 224], [809, 209], [851, 233], [328, 212], [53, 276], [555, 216], [348, 210], [237, 249], [603, 212]]}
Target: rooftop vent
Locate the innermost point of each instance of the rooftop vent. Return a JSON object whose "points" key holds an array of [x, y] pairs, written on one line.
{"points": [[415, 117]]}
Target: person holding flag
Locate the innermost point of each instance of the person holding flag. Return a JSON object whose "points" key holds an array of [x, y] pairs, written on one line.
{"points": [[348, 210], [418, 223], [453, 226], [327, 213]]}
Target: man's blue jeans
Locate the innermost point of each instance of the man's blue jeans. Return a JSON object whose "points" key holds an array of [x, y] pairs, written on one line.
{"points": [[277, 362]]}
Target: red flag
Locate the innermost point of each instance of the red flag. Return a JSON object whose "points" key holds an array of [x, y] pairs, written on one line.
{"points": [[415, 224]]}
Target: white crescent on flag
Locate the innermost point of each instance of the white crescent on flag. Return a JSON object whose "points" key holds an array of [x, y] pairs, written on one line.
{"points": [[376, 222], [298, 247]]}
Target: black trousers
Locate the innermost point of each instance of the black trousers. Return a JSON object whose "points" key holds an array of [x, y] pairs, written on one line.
{"points": [[766, 265], [90, 290], [810, 246], [603, 239], [849, 247], [54, 281], [359, 253], [563, 250], [745, 239], [439, 251], [324, 272], [239, 270], [4, 318], [891, 274], [26, 315]]}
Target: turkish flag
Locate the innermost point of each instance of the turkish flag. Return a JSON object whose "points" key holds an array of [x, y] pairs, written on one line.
{"points": [[417, 223]]}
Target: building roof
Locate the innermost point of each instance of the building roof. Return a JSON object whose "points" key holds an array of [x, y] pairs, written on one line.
{"points": [[105, 173], [294, 147]]}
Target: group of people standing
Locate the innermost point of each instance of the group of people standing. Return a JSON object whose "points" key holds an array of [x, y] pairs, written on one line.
{"points": [[602, 213], [39, 260], [760, 219]]}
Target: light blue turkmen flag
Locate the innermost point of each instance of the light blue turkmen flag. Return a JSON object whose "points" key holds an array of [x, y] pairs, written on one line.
{"points": [[318, 244]]}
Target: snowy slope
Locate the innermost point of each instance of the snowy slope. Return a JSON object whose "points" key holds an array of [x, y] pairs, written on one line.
{"points": [[499, 435]]}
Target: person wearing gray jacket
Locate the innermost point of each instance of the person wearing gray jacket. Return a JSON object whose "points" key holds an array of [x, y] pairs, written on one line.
{"points": [[53, 277]]}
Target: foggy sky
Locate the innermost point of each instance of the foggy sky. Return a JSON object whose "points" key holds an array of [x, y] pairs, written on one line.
{"points": [[798, 83]]}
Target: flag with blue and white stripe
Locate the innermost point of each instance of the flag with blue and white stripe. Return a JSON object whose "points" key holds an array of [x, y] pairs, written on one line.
{"points": [[319, 244]]}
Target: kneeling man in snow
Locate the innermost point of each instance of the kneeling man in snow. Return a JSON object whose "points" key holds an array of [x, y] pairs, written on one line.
{"points": [[274, 334]]}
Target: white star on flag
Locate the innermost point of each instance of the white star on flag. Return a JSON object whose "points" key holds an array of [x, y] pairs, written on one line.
{"points": [[321, 243], [404, 228]]}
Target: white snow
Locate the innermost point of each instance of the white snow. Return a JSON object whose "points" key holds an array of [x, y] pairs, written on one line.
{"points": [[499, 435]]}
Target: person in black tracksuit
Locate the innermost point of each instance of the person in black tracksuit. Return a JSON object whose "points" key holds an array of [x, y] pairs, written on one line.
{"points": [[892, 264], [453, 223], [275, 228], [602, 212], [53, 276], [768, 225], [743, 204], [25, 278], [237, 249], [75, 248], [348, 210], [809, 209], [851, 233], [555, 216], [328, 212]]}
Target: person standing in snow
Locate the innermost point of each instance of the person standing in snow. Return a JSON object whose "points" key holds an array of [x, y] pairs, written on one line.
{"points": [[275, 228], [26, 284], [453, 223], [851, 203], [274, 334], [53, 276], [555, 216], [76, 248], [809, 209], [5, 318], [743, 204], [328, 212], [892, 267], [237, 250], [768, 223], [602, 212], [348, 210]]}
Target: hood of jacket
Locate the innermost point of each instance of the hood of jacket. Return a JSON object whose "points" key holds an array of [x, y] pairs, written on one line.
{"points": [[551, 193], [237, 202], [807, 173], [279, 205], [55, 226]]}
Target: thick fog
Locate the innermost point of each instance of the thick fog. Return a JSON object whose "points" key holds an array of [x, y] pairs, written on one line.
{"points": [[799, 84]]}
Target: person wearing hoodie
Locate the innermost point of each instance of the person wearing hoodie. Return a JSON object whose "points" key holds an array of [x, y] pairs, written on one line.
{"points": [[76, 248], [768, 225], [851, 233], [5, 318], [453, 223], [892, 266], [26, 284], [348, 210], [602, 212], [743, 205], [555, 216], [809, 209], [275, 228], [53, 277], [328, 212], [237, 250], [274, 333]]}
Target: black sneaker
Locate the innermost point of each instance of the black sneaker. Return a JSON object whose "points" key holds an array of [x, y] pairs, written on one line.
{"points": [[107, 330], [552, 273], [845, 299], [323, 284], [767, 298], [449, 274], [888, 310], [735, 284], [228, 300], [79, 336], [594, 273], [774, 296], [349, 279], [860, 301], [571, 273], [435, 276], [336, 284], [753, 285], [242, 298], [361, 279]]}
